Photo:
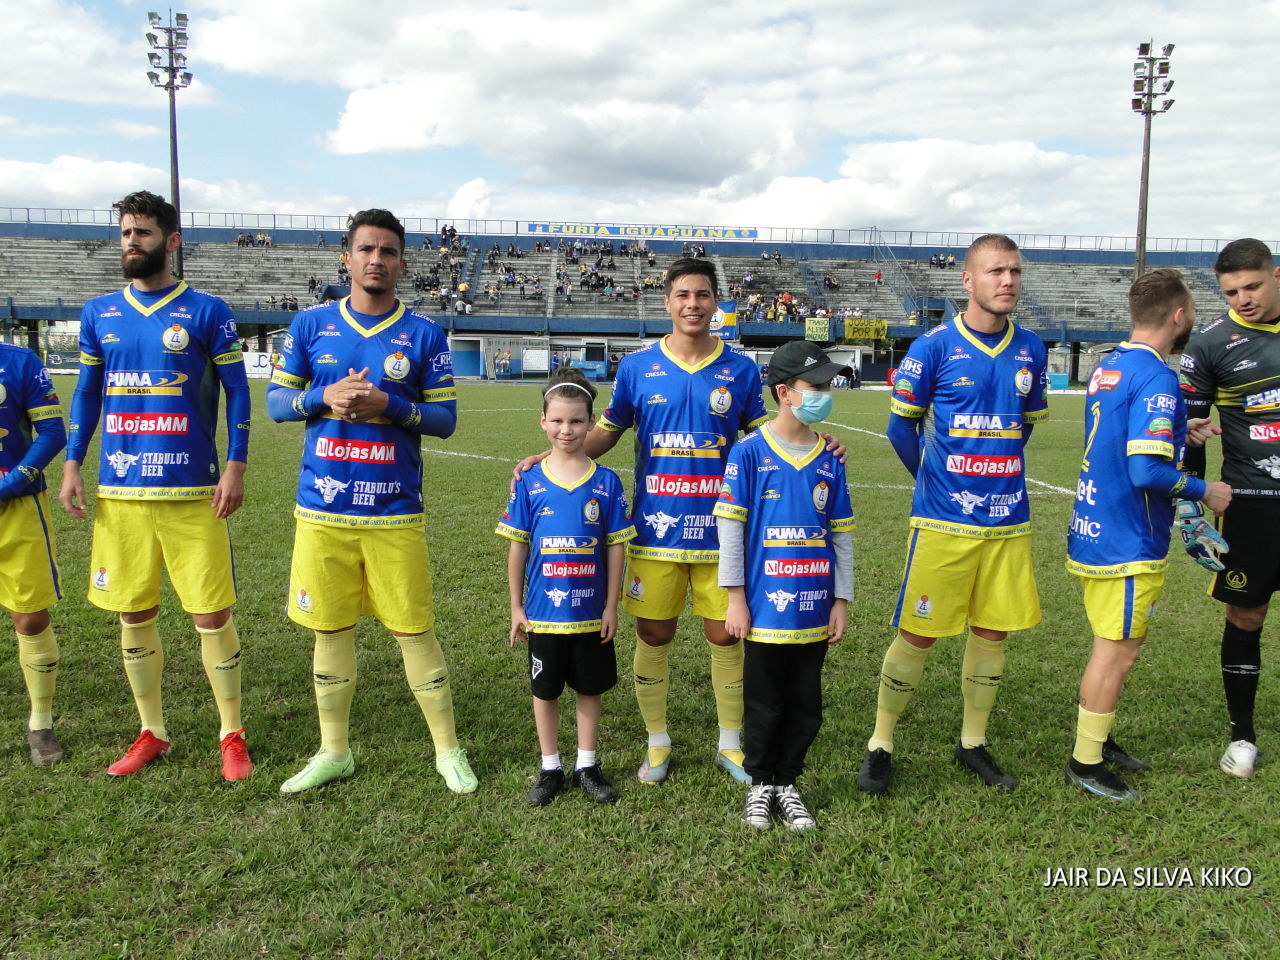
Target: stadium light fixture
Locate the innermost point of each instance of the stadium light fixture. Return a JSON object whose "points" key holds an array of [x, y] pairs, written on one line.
{"points": [[1149, 69], [170, 73]]}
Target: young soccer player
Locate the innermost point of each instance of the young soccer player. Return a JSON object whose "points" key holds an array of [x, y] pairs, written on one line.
{"points": [[567, 522], [786, 557]]}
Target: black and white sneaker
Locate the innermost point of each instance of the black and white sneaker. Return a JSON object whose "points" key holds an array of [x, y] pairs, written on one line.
{"points": [[795, 815], [1098, 780], [756, 810], [549, 785], [1112, 752], [595, 784], [980, 761], [873, 775]]}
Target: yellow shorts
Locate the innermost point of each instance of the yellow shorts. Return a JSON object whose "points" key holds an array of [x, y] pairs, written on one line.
{"points": [[29, 580], [132, 537], [952, 581], [1119, 608], [655, 589], [340, 573]]}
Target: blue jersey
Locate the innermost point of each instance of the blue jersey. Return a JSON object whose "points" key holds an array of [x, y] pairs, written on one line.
{"points": [[367, 473], [569, 528], [976, 398], [152, 364], [790, 508], [686, 421], [1133, 407], [28, 403]]}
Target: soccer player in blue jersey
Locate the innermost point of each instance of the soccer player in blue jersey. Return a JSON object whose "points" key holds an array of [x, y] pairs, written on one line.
{"points": [[31, 434], [964, 401], [370, 378], [786, 558], [1135, 431], [153, 358], [567, 522]]}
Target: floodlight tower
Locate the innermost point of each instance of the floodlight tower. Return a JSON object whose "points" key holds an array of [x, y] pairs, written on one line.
{"points": [[169, 72], [1150, 80]]}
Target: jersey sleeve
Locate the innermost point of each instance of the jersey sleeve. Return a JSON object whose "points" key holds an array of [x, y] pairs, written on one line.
{"points": [[40, 401], [287, 395], [1150, 429], [1037, 408], [755, 413], [516, 523], [228, 361], [840, 509], [86, 402], [913, 383], [621, 412], [618, 526], [1195, 378], [734, 497]]}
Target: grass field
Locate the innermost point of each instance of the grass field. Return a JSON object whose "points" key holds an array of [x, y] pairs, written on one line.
{"points": [[175, 863]]}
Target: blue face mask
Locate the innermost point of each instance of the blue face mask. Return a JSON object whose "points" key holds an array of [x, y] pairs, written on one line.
{"points": [[814, 407]]}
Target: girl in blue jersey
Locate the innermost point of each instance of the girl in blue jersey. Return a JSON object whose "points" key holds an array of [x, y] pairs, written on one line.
{"points": [[567, 522]]}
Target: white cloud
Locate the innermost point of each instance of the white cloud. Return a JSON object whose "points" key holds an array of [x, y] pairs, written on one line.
{"points": [[131, 130]]}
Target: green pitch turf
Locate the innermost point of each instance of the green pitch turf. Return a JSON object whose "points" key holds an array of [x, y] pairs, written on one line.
{"points": [[172, 862]]}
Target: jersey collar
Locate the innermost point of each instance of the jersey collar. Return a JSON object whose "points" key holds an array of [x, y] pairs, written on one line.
{"points": [[989, 351], [1126, 345], [349, 316], [1272, 327], [777, 448], [569, 486], [163, 301], [714, 356]]}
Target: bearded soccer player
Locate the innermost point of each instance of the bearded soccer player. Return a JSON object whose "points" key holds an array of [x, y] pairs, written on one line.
{"points": [[1234, 364], [31, 434], [1135, 430], [152, 358], [964, 400], [370, 378]]}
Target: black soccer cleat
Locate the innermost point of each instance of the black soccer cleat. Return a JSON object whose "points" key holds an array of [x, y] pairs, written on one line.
{"points": [[1098, 780], [1112, 752], [549, 785], [874, 774], [980, 761], [595, 784]]}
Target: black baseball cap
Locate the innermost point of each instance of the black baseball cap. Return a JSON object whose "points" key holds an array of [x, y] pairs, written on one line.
{"points": [[802, 360]]}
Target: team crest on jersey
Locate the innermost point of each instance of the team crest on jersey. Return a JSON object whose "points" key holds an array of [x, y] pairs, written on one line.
{"points": [[175, 338], [1022, 381], [721, 400], [4, 394], [304, 601], [820, 494], [591, 512], [396, 366], [100, 579]]}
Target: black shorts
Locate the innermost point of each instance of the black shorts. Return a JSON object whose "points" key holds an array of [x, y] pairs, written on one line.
{"points": [[1253, 562], [580, 660]]}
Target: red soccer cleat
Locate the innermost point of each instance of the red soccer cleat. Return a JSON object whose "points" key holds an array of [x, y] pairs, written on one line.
{"points": [[146, 748], [236, 764]]}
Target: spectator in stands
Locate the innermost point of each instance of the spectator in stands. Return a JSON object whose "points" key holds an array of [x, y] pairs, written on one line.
{"points": [[878, 277], [951, 261], [342, 241], [651, 258], [764, 254], [320, 241], [857, 313], [777, 256]]}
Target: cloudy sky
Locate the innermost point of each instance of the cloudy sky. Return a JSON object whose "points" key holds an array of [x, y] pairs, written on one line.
{"points": [[963, 116]]}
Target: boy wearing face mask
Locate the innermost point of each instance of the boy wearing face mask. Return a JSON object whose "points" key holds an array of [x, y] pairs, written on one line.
{"points": [[786, 556]]}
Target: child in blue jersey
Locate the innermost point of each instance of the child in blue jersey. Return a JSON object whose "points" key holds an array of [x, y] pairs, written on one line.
{"points": [[786, 557], [567, 522]]}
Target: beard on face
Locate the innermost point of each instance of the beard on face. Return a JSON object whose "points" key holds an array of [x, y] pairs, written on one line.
{"points": [[148, 265]]}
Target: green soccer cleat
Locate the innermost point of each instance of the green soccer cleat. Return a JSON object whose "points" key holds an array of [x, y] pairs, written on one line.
{"points": [[319, 771], [453, 766]]}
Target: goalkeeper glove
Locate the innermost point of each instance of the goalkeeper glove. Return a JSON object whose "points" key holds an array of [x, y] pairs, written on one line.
{"points": [[1202, 542]]}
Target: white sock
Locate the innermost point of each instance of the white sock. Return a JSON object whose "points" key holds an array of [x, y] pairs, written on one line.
{"points": [[551, 761], [586, 758], [662, 739], [730, 739]]}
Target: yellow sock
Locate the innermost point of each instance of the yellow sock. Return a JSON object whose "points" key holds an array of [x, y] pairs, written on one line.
{"points": [[983, 671], [335, 681], [38, 656], [1092, 730], [726, 682], [652, 678], [220, 652], [144, 665], [429, 680], [899, 677]]}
